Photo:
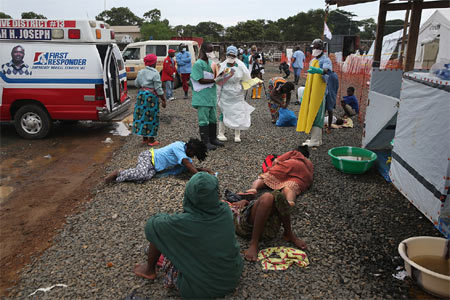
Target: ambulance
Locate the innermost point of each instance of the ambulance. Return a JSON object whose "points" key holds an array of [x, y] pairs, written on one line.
{"points": [[134, 53], [59, 70]]}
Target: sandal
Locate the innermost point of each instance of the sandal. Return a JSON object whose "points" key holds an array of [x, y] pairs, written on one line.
{"points": [[248, 195], [155, 143]]}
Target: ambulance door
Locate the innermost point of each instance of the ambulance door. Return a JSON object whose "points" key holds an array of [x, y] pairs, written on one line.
{"points": [[111, 79]]}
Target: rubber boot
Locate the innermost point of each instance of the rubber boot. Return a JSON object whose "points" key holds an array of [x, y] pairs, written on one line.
{"points": [[221, 136], [186, 95], [204, 136], [316, 137], [237, 135], [259, 92], [254, 93], [212, 127]]}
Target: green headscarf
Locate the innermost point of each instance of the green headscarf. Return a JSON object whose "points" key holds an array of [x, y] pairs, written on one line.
{"points": [[200, 242]]}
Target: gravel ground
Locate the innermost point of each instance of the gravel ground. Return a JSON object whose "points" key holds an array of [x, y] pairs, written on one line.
{"points": [[352, 223]]}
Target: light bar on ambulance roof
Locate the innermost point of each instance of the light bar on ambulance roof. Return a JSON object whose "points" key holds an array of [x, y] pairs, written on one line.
{"points": [[74, 34], [102, 25], [93, 24], [57, 33], [113, 34]]}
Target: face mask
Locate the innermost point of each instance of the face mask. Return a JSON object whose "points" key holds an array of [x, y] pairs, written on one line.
{"points": [[211, 55], [231, 60], [183, 50], [316, 52]]}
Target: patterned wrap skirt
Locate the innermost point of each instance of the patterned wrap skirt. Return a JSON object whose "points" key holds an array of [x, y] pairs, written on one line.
{"points": [[146, 113]]}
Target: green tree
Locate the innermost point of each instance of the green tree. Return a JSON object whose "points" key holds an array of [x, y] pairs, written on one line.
{"points": [[251, 30], [119, 16], [157, 31], [32, 15], [210, 31], [340, 22], [4, 16], [369, 29], [153, 16], [393, 26], [272, 31]]}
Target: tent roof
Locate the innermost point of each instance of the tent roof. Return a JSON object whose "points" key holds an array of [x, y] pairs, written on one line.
{"points": [[441, 16], [346, 2]]}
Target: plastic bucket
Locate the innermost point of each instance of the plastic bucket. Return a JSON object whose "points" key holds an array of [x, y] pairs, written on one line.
{"points": [[432, 282], [352, 160]]}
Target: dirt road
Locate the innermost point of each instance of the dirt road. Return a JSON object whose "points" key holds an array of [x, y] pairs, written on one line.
{"points": [[43, 181]]}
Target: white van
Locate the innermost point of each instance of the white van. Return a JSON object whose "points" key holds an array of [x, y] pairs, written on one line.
{"points": [[134, 53], [59, 70]]}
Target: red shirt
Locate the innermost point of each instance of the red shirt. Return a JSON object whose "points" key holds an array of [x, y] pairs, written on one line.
{"points": [[168, 69]]}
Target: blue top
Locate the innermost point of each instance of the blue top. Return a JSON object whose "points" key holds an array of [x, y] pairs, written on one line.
{"points": [[184, 62], [149, 78], [299, 57], [170, 156], [352, 101], [245, 58]]}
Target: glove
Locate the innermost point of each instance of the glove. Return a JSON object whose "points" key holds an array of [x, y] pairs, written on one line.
{"points": [[314, 70]]}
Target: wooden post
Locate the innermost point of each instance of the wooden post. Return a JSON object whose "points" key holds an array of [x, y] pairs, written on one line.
{"points": [[379, 37], [416, 14], [405, 26]]}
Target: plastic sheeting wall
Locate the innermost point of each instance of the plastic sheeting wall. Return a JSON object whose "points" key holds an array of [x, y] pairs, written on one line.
{"points": [[420, 166], [381, 118]]}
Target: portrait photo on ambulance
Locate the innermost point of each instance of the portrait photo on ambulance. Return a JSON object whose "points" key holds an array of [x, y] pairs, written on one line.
{"points": [[16, 65], [71, 71]]}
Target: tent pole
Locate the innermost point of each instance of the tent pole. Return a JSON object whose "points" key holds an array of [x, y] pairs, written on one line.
{"points": [[405, 26], [379, 37], [416, 14]]}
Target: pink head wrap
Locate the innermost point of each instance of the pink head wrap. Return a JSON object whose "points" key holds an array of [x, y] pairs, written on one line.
{"points": [[150, 59]]}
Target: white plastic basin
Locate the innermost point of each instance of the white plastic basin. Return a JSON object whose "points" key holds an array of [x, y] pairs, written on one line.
{"points": [[432, 282]]}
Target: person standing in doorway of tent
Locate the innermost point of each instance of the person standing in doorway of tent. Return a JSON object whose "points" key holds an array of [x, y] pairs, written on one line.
{"points": [[235, 110], [146, 109], [169, 72], [184, 63], [204, 96], [297, 63], [312, 110], [256, 70]]}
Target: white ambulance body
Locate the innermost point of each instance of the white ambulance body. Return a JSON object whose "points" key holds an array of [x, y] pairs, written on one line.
{"points": [[59, 70]]}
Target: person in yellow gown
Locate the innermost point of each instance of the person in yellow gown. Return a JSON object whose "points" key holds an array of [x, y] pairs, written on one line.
{"points": [[312, 110]]}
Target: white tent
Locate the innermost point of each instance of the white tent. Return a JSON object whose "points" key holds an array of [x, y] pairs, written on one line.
{"points": [[389, 46], [420, 167], [434, 40]]}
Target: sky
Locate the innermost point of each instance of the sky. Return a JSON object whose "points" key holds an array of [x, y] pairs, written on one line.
{"points": [[184, 12]]}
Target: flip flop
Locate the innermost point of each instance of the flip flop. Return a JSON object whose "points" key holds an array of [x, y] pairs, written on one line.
{"points": [[155, 143], [247, 195]]}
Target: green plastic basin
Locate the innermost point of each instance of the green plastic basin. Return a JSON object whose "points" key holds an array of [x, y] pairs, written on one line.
{"points": [[352, 160]]}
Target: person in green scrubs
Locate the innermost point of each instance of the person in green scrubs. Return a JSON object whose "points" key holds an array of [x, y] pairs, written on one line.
{"points": [[204, 97]]}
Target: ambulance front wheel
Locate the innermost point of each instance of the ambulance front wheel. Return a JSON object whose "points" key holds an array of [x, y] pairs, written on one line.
{"points": [[32, 122]]}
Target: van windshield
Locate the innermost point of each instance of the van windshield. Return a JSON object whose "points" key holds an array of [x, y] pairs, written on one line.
{"points": [[158, 50], [131, 53]]}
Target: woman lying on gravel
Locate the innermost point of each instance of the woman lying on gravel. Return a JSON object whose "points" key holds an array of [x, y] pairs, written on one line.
{"points": [[201, 254], [292, 173], [171, 158]]}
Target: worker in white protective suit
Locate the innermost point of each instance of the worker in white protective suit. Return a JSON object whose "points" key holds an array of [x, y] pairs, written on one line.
{"points": [[231, 96]]}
